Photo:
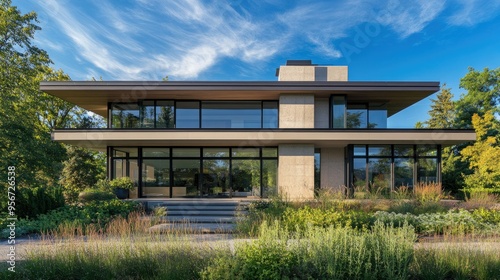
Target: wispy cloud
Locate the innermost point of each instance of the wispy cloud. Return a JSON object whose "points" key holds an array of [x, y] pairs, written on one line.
{"points": [[148, 39]]}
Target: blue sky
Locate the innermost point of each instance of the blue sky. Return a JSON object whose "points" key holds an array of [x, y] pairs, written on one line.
{"points": [[246, 40]]}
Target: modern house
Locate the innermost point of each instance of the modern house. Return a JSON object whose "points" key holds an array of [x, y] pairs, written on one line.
{"points": [[310, 129]]}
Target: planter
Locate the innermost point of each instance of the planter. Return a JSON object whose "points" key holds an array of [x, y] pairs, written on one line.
{"points": [[121, 193]]}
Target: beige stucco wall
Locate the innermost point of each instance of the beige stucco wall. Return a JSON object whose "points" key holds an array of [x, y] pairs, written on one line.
{"points": [[296, 111], [313, 73], [321, 113], [296, 171], [332, 167]]}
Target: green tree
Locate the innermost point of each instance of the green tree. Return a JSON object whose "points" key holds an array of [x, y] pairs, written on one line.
{"points": [[483, 95], [82, 170], [484, 154], [442, 113]]}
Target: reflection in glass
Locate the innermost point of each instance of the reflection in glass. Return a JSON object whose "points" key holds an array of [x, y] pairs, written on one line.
{"points": [[127, 168], [215, 177], [245, 152], [125, 152], [188, 114], [379, 173], [148, 114], [338, 111], [125, 115], [186, 152], [216, 152], [359, 172], [427, 170], [269, 177], [186, 174], [155, 152], [377, 117], [426, 150], [270, 114], [317, 169], [225, 114], [246, 177], [165, 114], [360, 150], [403, 172], [379, 150], [155, 177], [357, 116], [269, 152], [403, 150]]}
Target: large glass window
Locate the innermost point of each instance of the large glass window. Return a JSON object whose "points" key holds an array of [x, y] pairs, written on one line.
{"points": [[125, 115], [338, 111], [357, 116], [198, 172], [187, 114], [165, 114], [246, 177], [392, 166], [270, 114], [225, 114], [317, 169], [186, 173], [377, 116]]}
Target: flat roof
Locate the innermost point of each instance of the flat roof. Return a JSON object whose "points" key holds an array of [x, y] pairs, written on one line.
{"points": [[95, 95]]}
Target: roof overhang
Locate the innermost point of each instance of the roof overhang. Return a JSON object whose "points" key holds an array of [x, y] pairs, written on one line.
{"points": [[95, 95], [99, 139]]}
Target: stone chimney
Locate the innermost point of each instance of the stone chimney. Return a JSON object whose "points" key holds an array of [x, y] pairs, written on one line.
{"points": [[304, 70]]}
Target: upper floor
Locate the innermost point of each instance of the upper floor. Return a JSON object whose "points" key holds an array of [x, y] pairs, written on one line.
{"points": [[305, 96]]}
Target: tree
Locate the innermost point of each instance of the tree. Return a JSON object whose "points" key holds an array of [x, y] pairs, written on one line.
{"points": [[483, 95], [484, 154], [442, 113]]}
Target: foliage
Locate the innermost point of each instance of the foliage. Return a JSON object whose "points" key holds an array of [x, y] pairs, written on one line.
{"points": [[98, 214], [319, 253], [82, 170], [31, 202], [442, 113], [90, 195], [483, 155], [424, 192], [123, 183]]}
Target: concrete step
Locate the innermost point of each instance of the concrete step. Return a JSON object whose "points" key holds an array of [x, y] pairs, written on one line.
{"points": [[202, 207], [204, 212], [199, 219]]}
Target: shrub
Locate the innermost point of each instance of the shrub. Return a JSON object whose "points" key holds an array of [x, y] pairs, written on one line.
{"points": [[31, 202], [89, 195], [123, 183], [424, 192], [480, 199]]}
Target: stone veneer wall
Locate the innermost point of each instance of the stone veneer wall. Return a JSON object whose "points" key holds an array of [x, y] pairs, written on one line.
{"points": [[296, 171]]}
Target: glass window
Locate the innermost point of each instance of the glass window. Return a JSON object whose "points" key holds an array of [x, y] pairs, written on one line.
{"points": [[125, 115], [186, 152], [379, 173], [403, 150], [245, 152], [357, 116], [317, 169], [403, 172], [164, 114], [427, 170], [359, 172], [338, 111], [125, 152], [426, 150], [148, 114], [359, 150], [227, 114], [155, 152], [270, 114], [185, 174], [155, 172], [269, 152], [246, 177], [269, 177], [187, 114], [377, 116], [215, 177], [216, 152], [382, 150]]}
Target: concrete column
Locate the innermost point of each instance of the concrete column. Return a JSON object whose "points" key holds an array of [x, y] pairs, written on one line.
{"points": [[296, 171], [296, 111], [321, 113], [332, 167]]}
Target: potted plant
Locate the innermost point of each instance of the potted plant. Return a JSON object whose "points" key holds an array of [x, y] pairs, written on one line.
{"points": [[122, 186]]}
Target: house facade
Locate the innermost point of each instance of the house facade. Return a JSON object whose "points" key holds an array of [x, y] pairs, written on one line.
{"points": [[309, 130]]}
